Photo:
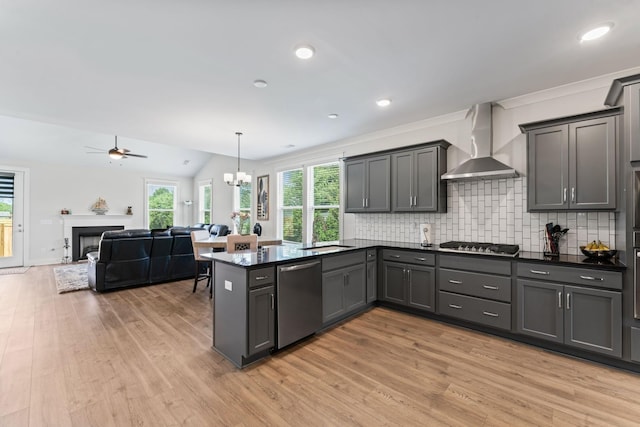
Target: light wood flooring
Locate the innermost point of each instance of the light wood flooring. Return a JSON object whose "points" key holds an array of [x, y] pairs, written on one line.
{"points": [[143, 357]]}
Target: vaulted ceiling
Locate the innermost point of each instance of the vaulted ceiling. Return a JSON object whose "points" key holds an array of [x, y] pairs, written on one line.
{"points": [[181, 73]]}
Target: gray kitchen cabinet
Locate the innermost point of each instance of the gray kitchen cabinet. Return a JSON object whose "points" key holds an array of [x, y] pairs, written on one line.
{"points": [[367, 184], [625, 92], [408, 279], [372, 275], [344, 285], [261, 319], [571, 162], [586, 318], [415, 179]]}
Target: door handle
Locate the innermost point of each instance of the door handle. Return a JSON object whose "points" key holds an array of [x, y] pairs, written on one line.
{"points": [[273, 302], [490, 314], [568, 301], [300, 266], [455, 282], [261, 277], [420, 259], [573, 194], [559, 299], [564, 195], [492, 288], [457, 307], [592, 278], [544, 273], [363, 203]]}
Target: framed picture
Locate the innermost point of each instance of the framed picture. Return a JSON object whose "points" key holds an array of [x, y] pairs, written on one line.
{"points": [[262, 207]]}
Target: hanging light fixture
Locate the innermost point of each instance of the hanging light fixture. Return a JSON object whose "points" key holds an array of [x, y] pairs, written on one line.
{"points": [[240, 177]]}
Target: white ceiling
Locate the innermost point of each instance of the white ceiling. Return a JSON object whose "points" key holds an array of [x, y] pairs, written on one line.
{"points": [[180, 73]]}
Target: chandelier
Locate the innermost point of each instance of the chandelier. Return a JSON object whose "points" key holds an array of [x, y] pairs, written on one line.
{"points": [[240, 177]]}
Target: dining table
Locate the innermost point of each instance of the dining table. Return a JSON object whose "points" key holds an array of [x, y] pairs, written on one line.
{"points": [[221, 242]]}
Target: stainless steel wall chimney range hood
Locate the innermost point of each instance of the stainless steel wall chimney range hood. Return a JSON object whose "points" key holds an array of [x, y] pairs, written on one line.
{"points": [[481, 165]]}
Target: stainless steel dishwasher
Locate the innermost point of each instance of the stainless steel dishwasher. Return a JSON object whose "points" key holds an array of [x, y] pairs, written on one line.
{"points": [[299, 297]]}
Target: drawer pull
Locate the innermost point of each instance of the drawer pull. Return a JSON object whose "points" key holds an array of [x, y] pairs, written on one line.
{"points": [[457, 307], [261, 277], [490, 314], [592, 278], [455, 282], [420, 259], [394, 256], [492, 288], [544, 273]]}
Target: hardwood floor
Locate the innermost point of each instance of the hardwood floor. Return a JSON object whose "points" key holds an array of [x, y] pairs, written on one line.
{"points": [[144, 357]]}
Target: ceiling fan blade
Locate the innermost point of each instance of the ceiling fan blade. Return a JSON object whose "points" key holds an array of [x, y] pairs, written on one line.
{"points": [[135, 155]]}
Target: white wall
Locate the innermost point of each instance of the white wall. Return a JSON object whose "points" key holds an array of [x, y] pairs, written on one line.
{"points": [[54, 187]]}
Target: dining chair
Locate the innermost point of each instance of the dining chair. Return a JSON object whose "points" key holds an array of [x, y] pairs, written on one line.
{"points": [[240, 242], [200, 260]]}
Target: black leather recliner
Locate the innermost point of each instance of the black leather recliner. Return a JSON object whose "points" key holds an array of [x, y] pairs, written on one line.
{"points": [[218, 230]]}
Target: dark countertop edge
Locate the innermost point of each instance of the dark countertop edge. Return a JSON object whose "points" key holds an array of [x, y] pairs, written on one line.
{"points": [[362, 244]]}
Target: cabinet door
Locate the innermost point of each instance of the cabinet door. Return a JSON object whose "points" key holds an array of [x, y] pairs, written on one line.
{"points": [[593, 320], [402, 181], [540, 310], [372, 268], [632, 119], [378, 184], [354, 186], [355, 287], [333, 304], [261, 319], [393, 283], [548, 168], [427, 180], [421, 287], [592, 164]]}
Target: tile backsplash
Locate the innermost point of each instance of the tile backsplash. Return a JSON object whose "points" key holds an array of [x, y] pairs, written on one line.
{"points": [[490, 211]]}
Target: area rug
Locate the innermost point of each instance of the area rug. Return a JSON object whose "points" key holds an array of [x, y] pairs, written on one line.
{"points": [[71, 278], [13, 270]]}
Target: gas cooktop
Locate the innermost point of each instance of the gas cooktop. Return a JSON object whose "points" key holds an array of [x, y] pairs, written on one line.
{"points": [[481, 248]]}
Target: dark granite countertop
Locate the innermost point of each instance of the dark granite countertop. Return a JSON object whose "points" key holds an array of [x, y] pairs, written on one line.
{"points": [[294, 252]]}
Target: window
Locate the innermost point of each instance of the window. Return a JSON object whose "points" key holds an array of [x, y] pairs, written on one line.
{"points": [[161, 204], [245, 206], [323, 214], [204, 202], [290, 205]]}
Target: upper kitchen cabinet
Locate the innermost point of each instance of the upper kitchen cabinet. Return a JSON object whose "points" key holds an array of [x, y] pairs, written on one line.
{"points": [[415, 179], [571, 162], [367, 184], [626, 92]]}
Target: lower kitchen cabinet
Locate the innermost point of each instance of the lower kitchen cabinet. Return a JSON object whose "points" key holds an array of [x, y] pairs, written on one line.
{"points": [[372, 275], [261, 319], [344, 285], [586, 318], [406, 283]]}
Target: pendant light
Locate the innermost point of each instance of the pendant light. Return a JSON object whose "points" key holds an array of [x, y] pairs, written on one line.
{"points": [[240, 177]]}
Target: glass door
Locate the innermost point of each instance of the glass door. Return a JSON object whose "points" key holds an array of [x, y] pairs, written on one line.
{"points": [[11, 218]]}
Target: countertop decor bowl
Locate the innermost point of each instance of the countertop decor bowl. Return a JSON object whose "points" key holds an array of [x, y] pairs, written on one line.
{"points": [[599, 254]]}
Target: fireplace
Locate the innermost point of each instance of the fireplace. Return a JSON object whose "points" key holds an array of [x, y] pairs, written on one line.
{"points": [[86, 239]]}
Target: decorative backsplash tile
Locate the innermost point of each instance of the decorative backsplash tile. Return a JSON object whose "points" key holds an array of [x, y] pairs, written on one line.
{"points": [[490, 211]]}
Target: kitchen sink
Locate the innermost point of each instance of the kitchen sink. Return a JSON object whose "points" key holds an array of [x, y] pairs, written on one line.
{"points": [[326, 248]]}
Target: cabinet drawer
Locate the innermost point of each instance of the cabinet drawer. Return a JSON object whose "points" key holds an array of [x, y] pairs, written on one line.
{"points": [[476, 284], [343, 259], [486, 312], [261, 277], [411, 257], [575, 275], [481, 264]]}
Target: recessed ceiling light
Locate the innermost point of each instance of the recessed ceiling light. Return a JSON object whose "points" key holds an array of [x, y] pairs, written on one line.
{"points": [[595, 33], [305, 51], [260, 83], [333, 116], [383, 102]]}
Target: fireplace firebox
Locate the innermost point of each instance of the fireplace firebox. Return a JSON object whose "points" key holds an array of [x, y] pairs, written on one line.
{"points": [[86, 239]]}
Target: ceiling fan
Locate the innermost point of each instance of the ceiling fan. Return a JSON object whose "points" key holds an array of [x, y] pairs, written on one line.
{"points": [[115, 152]]}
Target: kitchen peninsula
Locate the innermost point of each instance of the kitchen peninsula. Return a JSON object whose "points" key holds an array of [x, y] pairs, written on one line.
{"points": [[567, 304]]}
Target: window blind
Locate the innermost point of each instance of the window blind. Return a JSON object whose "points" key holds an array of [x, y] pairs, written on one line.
{"points": [[6, 185]]}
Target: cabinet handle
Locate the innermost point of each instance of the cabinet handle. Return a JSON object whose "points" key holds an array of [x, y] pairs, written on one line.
{"points": [[261, 277], [544, 273], [410, 201], [455, 282], [273, 302], [592, 278], [420, 259], [488, 313], [363, 203], [559, 299], [492, 288], [573, 194], [564, 195], [394, 256], [457, 307], [568, 301], [367, 202], [415, 200]]}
